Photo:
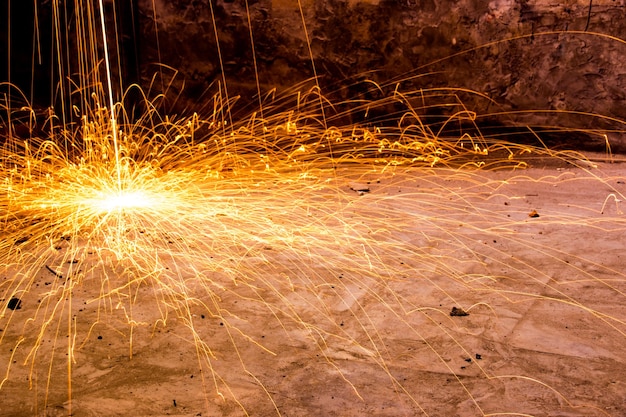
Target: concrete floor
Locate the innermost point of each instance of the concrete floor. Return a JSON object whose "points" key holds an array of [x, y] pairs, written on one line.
{"points": [[361, 324]]}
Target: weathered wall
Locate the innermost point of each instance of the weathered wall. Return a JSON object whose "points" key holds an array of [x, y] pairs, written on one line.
{"points": [[528, 66]]}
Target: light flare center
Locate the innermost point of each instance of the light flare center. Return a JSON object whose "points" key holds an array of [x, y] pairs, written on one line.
{"points": [[125, 199]]}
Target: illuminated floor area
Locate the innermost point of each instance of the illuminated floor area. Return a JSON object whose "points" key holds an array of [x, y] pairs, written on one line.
{"points": [[535, 257]]}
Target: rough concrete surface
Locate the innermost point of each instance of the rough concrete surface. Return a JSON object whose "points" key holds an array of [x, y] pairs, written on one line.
{"points": [[534, 257]]}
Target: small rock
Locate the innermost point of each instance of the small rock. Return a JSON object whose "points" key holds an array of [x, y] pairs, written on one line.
{"points": [[533, 214], [360, 188], [458, 312], [14, 304]]}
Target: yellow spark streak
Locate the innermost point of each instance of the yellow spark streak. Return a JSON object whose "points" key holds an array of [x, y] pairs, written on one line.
{"points": [[110, 95]]}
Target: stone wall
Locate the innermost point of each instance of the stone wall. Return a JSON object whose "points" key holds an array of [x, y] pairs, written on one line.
{"points": [[524, 54]]}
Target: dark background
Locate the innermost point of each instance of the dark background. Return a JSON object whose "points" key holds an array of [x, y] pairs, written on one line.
{"points": [[36, 56], [540, 63]]}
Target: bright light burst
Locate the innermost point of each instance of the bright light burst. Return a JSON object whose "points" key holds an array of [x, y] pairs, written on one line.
{"points": [[122, 200]]}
